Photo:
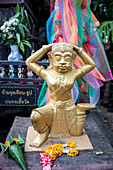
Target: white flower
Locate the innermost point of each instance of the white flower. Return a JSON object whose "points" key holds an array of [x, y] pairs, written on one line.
{"points": [[6, 24], [9, 33], [10, 36], [7, 29], [14, 21], [10, 21], [15, 24], [13, 28], [2, 27], [4, 31], [9, 24], [10, 28], [5, 35]]}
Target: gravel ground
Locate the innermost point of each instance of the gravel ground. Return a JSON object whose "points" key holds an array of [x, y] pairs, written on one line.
{"points": [[107, 115]]}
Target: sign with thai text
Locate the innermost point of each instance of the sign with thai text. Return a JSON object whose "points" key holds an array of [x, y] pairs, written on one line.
{"points": [[18, 96]]}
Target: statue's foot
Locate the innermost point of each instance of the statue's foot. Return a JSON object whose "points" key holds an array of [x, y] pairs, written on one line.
{"points": [[40, 139], [84, 106]]}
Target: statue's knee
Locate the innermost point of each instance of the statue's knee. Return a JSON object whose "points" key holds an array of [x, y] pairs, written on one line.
{"points": [[38, 121], [35, 116]]}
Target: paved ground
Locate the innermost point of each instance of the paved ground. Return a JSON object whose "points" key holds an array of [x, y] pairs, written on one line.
{"points": [[107, 115], [7, 115], [86, 160]]}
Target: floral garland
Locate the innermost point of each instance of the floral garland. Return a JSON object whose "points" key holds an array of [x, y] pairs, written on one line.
{"points": [[55, 150], [12, 148]]}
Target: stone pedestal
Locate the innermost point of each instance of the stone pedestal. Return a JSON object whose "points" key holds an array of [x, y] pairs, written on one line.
{"points": [[82, 142], [86, 160]]}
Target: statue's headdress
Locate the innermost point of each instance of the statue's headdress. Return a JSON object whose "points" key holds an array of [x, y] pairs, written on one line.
{"points": [[62, 47]]}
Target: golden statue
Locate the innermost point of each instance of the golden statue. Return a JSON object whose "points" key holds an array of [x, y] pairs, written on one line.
{"points": [[60, 118]]}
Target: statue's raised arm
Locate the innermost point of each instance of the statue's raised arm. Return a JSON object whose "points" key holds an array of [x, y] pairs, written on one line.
{"points": [[31, 61], [89, 63]]}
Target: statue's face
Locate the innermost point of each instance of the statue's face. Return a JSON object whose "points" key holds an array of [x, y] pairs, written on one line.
{"points": [[62, 61]]}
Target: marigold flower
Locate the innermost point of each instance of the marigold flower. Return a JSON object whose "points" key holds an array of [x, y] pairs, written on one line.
{"points": [[56, 150], [16, 140], [47, 151], [71, 144], [8, 143], [73, 152]]}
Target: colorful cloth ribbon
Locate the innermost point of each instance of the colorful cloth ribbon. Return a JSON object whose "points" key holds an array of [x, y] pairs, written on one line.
{"points": [[73, 22]]}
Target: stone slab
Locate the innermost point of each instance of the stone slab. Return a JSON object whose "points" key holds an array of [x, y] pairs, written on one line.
{"points": [[86, 160], [82, 142]]}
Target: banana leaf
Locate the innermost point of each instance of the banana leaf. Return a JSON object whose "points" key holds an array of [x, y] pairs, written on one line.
{"points": [[14, 151]]}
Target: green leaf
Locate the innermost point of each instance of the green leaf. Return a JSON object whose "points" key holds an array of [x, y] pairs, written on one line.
{"points": [[32, 22], [26, 28], [2, 40], [7, 155], [20, 140], [21, 45], [17, 8], [20, 27], [26, 14], [104, 29], [5, 19], [22, 12], [27, 43], [2, 21], [106, 26], [15, 16], [26, 25], [16, 153], [22, 15], [27, 37], [112, 31], [11, 140], [4, 147], [18, 38]]}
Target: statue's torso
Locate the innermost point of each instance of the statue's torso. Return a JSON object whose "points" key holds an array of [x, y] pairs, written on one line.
{"points": [[60, 85]]}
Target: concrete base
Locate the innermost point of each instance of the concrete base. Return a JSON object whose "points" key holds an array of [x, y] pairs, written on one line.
{"points": [[86, 160], [82, 142]]}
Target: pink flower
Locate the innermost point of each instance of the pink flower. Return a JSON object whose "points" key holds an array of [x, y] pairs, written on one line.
{"points": [[46, 160]]}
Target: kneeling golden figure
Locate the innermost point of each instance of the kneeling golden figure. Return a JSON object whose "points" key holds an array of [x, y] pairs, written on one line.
{"points": [[60, 118]]}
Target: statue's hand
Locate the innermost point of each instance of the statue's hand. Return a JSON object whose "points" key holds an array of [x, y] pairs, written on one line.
{"points": [[47, 47], [77, 49]]}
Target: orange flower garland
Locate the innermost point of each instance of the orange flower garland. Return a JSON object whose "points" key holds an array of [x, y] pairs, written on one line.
{"points": [[73, 152], [71, 144], [58, 150]]}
